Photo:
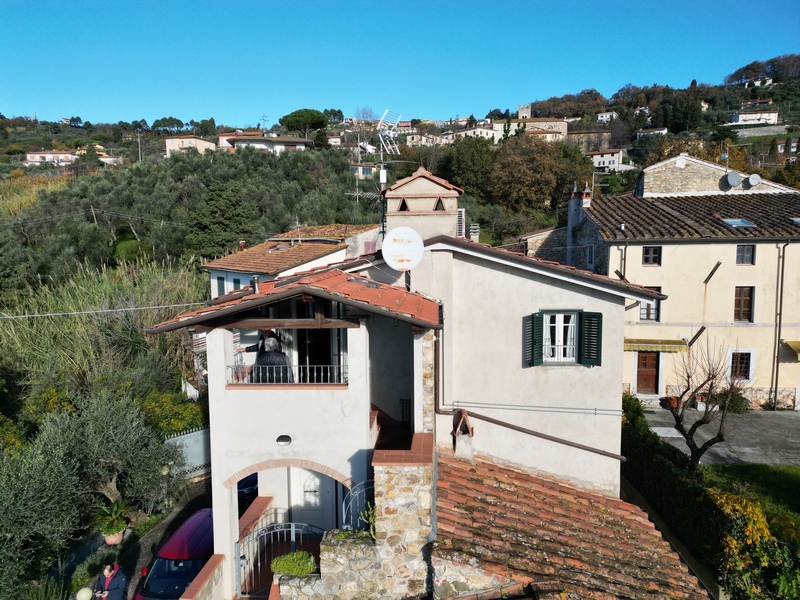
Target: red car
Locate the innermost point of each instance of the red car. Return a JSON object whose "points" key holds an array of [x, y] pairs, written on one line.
{"points": [[180, 559]]}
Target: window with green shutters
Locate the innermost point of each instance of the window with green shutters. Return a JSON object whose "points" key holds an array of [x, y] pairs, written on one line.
{"points": [[566, 337]]}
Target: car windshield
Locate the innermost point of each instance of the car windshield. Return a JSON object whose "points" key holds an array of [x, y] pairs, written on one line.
{"points": [[170, 578]]}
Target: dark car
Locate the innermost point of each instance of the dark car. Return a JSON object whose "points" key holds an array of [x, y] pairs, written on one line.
{"points": [[179, 560], [248, 491]]}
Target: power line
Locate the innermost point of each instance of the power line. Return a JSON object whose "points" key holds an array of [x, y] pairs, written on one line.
{"points": [[98, 311]]}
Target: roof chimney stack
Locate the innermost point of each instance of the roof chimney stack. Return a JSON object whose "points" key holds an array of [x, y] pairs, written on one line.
{"points": [[242, 245], [254, 280]]}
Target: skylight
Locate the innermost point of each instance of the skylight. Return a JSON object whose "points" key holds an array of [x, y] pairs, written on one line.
{"points": [[796, 220], [739, 222]]}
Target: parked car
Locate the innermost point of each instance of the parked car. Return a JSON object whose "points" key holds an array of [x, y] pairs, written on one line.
{"points": [[248, 491], [179, 560]]}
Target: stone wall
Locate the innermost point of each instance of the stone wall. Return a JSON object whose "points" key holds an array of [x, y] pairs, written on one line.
{"points": [[428, 380], [759, 397], [394, 566], [458, 573]]}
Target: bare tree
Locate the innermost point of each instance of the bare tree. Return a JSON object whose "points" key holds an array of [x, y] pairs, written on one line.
{"points": [[365, 114], [706, 394]]}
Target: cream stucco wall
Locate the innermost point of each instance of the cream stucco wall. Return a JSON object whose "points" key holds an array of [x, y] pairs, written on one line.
{"points": [[693, 304], [328, 427], [485, 370]]}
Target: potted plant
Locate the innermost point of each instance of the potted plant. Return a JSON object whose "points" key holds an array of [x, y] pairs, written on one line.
{"points": [[113, 521]]}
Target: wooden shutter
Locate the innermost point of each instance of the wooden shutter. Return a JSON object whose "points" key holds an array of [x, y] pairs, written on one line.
{"points": [[591, 339], [537, 339]]}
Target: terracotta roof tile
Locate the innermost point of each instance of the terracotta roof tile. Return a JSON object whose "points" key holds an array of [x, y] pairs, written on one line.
{"points": [[422, 172], [696, 216], [531, 528], [348, 288], [332, 231], [273, 257]]}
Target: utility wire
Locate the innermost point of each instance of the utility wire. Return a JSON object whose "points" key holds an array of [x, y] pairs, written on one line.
{"points": [[98, 311]]}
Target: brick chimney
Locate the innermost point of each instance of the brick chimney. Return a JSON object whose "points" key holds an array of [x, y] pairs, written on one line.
{"points": [[242, 245]]}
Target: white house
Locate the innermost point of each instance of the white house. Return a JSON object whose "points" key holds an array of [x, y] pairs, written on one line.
{"points": [[490, 351], [609, 160], [607, 117], [275, 145], [764, 117], [56, 157]]}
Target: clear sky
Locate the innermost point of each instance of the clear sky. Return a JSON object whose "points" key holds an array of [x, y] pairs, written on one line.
{"points": [[240, 60]]}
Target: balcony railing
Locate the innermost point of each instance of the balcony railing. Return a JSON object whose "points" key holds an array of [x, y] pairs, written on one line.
{"points": [[290, 374]]}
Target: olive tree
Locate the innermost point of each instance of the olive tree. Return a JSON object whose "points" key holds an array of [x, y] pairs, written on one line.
{"points": [[117, 454]]}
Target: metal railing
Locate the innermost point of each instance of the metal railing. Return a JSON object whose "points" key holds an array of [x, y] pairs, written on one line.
{"points": [[256, 551], [301, 374], [355, 501]]}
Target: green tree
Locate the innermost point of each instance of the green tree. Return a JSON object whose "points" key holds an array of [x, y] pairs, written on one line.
{"points": [[321, 139], [304, 121], [131, 466], [468, 163], [44, 502], [91, 157]]}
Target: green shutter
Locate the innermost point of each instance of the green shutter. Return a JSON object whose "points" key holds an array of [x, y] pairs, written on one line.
{"points": [[591, 342], [537, 339]]}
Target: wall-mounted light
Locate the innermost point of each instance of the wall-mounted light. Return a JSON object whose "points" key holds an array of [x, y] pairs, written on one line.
{"points": [[284, 440]]}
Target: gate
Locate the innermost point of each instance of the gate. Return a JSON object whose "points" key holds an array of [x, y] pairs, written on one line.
{"points": [[256, 551], [355, 501]]}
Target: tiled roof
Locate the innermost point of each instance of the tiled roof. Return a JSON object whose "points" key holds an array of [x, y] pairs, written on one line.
{"points": [[347, 288], [550, 266], [422, 172], [698, 217], [537, 530], [333, 231], [271, 258]]}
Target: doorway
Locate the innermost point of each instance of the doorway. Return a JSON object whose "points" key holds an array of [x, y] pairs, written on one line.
{"points": [[647, 373], [312, 498]]}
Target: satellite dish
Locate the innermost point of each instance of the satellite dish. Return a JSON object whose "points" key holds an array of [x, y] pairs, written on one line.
{"points": [[733, 178], [402, 249], [754, 179]]}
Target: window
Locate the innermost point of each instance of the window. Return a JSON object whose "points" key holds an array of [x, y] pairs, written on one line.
{"points": [[740, 366], [220, 286], [651, 255], [743, 304], [738, 222], [745, 254], [650, 311], [566, 337], [237, 284]]}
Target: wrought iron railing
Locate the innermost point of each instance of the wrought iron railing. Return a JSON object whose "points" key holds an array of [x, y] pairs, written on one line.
{"points": [[255, 552], [302, 374], [354, 502]]}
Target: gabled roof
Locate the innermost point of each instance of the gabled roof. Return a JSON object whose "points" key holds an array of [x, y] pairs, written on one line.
{"points": [[333, 231], [346, 288], [696, 217], [422, 172], [285, 139], [545, 267], [274, 257], [557, 537]]}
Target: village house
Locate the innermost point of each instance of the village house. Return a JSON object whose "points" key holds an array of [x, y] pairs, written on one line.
{"points": [[420, 377], [275, 145], [609, 160], [56, 157], [183, 142], [723, 245], [752, 117]]}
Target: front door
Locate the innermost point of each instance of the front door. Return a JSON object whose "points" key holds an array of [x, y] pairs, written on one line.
{"points": [[647, 373], [311, 497]]}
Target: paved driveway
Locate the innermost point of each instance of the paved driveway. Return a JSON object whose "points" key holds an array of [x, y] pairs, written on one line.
{"points": [[764, 437]]}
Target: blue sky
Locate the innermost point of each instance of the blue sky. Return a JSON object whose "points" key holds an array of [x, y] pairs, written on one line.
{"points": [[239, 60]]}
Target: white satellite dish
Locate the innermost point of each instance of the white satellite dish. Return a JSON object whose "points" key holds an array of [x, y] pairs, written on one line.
{"points": [[402, 249], [754, 179]]}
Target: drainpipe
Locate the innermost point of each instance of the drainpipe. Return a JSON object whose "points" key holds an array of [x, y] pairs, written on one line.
{"points": [[465, 414], [776, 363]]}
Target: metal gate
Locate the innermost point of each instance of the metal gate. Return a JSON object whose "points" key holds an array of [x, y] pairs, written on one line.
{"points": [[256, 551], [355, 501]]}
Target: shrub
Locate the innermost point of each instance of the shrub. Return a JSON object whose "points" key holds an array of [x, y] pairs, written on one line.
{"points": [[45, 590], [298, 564], [89, 568]]}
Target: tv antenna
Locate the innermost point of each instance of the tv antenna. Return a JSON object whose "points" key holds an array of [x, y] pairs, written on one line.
{"points": [[387, 132]]}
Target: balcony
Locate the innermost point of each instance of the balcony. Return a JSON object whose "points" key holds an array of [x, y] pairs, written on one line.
{"points": [[287, 374]]}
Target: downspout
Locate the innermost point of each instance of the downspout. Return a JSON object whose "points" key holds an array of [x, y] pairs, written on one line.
{"points": [[465, 414], [776, 363]]}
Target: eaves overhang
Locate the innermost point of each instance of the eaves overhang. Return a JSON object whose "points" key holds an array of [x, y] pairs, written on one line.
{"points": [[549, 269]]}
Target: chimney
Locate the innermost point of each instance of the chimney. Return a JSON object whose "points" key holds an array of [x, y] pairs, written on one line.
{"points": [[254, 281], [475, 232], [577, 202], [242, 245]]}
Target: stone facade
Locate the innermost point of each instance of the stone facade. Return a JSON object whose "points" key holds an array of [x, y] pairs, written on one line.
{"points": [[394, 566], [459, 573], [428, 381]]}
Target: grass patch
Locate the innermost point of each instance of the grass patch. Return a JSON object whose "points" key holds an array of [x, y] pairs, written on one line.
{"points": [[776, 488], [18, 194]]}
